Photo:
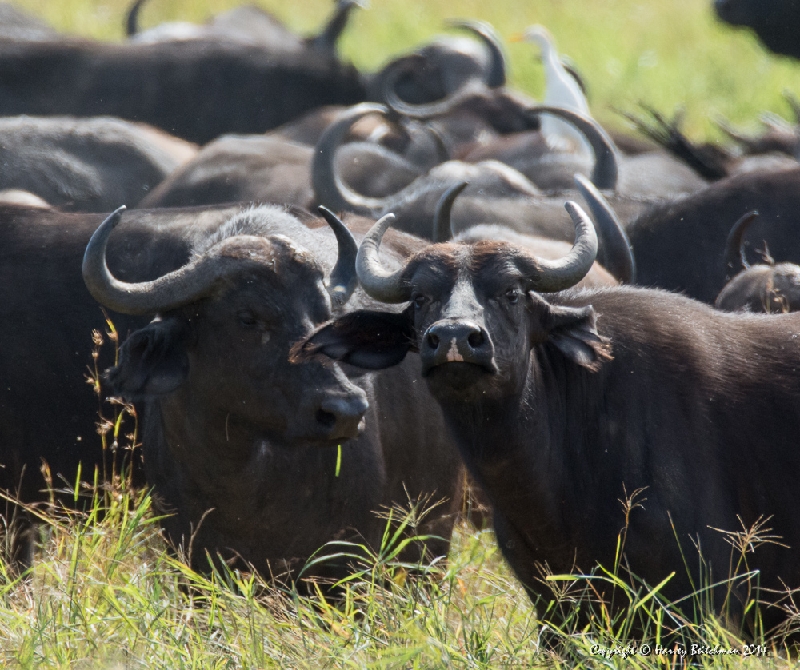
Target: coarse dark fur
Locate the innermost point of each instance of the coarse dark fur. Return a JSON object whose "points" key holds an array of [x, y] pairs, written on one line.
{"points": [[680, 245], [240, 443], [194, 89], [47, 410]]}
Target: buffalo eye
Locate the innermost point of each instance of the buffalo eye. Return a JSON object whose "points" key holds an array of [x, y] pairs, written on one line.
{"points": [[247, 318], [513, 295], [420, 301]]}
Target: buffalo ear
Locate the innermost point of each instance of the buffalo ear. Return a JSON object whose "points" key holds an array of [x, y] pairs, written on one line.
{"points": [[572, 330], [365, 339], [152, 361]]}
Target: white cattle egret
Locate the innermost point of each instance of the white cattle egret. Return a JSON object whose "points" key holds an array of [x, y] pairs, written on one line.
{"points": [[561, 90]]}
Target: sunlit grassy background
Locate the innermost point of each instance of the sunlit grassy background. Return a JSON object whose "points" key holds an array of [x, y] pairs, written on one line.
{"points": [[664, 52]]}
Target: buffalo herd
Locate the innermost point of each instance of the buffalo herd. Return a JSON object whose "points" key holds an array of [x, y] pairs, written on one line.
{"points": [[338, 293]]}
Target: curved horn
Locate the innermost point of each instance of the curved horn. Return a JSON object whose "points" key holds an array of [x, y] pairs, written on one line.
{"points": [[375, 280], [395, 70], [442, 226], [415, 129], [168, 292], [606, 167], [615, 253], [328, 187], [132, 18], [735, 258], [439, 140], [572, 70], [325, 41], [496, 75], [343, 279], [548, 276]]}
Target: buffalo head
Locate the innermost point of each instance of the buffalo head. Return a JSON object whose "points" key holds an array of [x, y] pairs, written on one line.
{"points": [[219, 350], [475, 312], [766, 287]]}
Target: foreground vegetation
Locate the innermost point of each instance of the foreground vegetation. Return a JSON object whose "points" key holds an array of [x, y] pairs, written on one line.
{"points": [[666, 53], [104, 592]]}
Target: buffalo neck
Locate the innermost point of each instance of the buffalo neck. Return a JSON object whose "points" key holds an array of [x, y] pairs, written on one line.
{"points": [[525, 449]]}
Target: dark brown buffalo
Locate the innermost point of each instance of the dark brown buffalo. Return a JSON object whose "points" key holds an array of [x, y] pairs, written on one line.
{"points": [[497, 192], [194, 89], [566, 402], [679, 245], [764, 287], [88, 165], [227, 422], [240, 444]]}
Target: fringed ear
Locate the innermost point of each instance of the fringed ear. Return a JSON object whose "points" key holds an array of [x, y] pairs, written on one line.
{"points": [[152, 361], [370, 340], [572, 330]]}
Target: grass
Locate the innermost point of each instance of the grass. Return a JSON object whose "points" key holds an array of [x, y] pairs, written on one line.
{"points": [[667, 53], [105, 591]]}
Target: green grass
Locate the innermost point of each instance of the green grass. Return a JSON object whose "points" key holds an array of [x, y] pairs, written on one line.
{"points": [[664, 52], [104, 592]]}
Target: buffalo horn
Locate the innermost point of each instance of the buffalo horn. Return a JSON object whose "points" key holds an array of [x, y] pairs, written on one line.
{"points": [[132, 18], [168, 292], [325, 41], [343, 278], [615, 253], [735, 258], [442, 226], [428, 110], [496, 76], [328, 187], [547, 276], [606, 169], [375, 280]]}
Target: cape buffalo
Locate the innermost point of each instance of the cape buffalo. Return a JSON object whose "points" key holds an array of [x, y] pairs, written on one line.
{"points": [[239, 442], [679, 245], [86, 165], [564, 403], [763, 287], [195, 89], [227, 422]]}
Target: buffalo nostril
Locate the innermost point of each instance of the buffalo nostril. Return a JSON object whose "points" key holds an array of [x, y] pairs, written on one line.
{"points": [[475, 339], [433, 340], [325, 419]]}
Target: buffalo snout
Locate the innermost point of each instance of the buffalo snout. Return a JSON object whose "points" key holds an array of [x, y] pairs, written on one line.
{"points": [[329, 416], [341, 417], [456, 341]]}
